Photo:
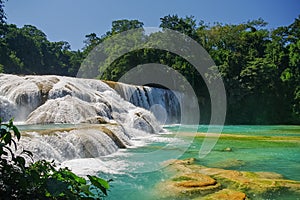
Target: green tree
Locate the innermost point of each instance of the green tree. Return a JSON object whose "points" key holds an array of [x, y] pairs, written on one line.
{"points": [[185, 25], [37, 55], [119, 26], [254, 63], [74, 61], [108, 51], [2, 13], [292, 75]]}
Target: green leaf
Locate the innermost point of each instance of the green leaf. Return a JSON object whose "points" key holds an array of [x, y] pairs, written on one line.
{"points": [[12, 154], [29, 153], [16, 131], [3, 152], [7, 138], [35, 175], [21, 161], [56, 187], [86, 190], [2, 132], [11, 123], [73, 176], [15, 144], [80, 180], [99, 183]]}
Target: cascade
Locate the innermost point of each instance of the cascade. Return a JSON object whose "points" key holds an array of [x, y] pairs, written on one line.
{"points": [[56, 99], [74, 143], [158, 100]]}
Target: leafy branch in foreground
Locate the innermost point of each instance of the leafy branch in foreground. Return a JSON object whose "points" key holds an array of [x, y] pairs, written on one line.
{"points": [[41, 179]]}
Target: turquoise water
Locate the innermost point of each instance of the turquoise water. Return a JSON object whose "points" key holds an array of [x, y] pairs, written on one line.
{"points": [[136, 171], [253, 130], [261, 148]]}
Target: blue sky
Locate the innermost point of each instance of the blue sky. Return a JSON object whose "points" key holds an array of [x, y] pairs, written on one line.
{"points": [[71, 20]]}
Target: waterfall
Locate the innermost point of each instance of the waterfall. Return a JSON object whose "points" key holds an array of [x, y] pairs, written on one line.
{"points": [[56, 99], [163, 103], [74, 143]]}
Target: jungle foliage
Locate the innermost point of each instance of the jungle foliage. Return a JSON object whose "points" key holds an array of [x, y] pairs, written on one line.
{"points": [[259, 67]]}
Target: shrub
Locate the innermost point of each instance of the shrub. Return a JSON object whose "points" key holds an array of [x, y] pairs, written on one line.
{"points": [[41, 179]]}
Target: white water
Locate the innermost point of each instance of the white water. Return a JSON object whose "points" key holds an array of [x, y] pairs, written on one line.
{"points": [[83, 142], [165, 104], [55, 99], [128, 161]]}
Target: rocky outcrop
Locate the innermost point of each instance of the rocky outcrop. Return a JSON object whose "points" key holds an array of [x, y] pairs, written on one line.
{"points": [[199, 182], [225, 194]]}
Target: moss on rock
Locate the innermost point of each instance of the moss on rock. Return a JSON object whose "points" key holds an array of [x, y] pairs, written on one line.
{"points": [[225, 194], [200, 182]]}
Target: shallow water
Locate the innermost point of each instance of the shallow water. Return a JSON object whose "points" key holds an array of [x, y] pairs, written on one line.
{"points": [[137, 170], [261, 148]]}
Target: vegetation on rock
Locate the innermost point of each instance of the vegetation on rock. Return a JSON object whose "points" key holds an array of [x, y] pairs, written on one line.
{"points": [[199, 182]]}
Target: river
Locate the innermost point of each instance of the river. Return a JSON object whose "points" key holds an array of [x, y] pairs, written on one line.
{"points": [[244, 148]]}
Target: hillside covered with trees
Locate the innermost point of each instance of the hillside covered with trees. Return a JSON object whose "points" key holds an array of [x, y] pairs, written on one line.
{"points": [[260, 67]]}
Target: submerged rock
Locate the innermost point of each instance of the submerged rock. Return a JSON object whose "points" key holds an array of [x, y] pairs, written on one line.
{"points": [[194, 180], [225, 194], [199, 182], [186, 182], [228, 163], [228, 149]]}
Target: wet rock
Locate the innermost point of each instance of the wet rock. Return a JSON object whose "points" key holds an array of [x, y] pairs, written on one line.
{"points": [[114, 137], [225, 194], [188, 185], [229, 163], [228, 149], [200, 182], [96, 120], [251, 182], [194, 180]]}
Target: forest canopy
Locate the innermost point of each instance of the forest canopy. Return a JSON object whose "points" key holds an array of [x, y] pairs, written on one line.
{"points": [[259, 67]]}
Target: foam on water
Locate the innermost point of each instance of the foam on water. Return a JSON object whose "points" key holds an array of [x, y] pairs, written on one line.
{"points": [[123, 161], [56, 99]]}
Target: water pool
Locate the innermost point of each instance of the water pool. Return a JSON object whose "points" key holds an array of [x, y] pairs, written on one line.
{"points": [[251, 148]]}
